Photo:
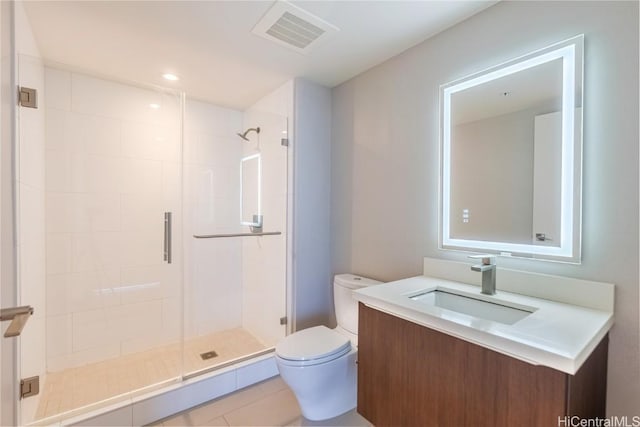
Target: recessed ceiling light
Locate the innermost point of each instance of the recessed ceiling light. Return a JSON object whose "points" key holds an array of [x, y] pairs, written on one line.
{"points": [[154, 106], [171, 77]]}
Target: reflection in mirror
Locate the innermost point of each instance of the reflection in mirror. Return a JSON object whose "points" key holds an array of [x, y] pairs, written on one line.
{"points": [[511, 146], [250, 190]]}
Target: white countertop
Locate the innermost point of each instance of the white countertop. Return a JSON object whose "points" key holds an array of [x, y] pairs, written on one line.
{"points": [[560, 336]]}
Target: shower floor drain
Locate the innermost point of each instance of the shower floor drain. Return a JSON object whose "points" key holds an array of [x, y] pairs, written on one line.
{"points": [[208, 355]]}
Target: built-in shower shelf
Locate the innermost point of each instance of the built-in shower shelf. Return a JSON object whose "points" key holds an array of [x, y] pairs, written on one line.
{"points": [[218, 236]]}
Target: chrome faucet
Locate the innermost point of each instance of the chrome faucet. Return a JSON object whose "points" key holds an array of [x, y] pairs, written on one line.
{"points": [[488, 269]]}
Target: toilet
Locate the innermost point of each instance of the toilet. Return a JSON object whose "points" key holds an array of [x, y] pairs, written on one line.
{"points": [[319, 364]]}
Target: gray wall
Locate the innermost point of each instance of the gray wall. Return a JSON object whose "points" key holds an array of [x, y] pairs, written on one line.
{"points": [[312, 293], [384, 195], [492, 176]]}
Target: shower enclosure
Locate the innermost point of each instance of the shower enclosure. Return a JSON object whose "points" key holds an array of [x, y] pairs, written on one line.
{"points": [[138, 240]]}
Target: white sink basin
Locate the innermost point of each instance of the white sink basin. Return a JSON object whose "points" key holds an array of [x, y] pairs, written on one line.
{"points": [[470, 306]]}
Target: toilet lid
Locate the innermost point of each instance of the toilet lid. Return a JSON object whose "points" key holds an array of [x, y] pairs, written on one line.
{"points": [[314, 343]]}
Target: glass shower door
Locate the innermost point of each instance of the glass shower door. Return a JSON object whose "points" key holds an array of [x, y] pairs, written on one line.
{"points": [[235, 297], [100, 164]]}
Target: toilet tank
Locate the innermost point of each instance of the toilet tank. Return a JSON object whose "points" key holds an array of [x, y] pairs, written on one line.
{"points": [[347, 307]]}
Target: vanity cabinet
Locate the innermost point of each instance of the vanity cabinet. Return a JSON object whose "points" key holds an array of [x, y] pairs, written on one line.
{"points": [[412, 375]]}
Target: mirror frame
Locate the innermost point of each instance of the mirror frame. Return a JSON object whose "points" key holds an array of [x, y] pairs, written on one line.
{"points": [[571, 52]]}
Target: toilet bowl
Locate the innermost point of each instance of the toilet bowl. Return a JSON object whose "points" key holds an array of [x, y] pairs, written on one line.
{"points": [[319, 364]]}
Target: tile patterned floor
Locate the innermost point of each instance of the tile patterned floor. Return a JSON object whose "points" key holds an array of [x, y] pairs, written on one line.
{"points": [[77, 387], [270, 403]]}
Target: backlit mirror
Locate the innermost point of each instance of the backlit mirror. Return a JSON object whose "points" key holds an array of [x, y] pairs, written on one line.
{"points": [[511, 145], [250, 190]]}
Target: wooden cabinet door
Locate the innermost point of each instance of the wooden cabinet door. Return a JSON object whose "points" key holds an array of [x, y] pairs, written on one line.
{"points": [[410, 375], [399, 365]]}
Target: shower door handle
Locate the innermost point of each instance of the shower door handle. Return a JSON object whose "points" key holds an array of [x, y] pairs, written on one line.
{"points": [[167, 237], [18, 317]]}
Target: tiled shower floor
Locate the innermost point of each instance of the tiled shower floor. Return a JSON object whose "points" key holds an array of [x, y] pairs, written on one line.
{"points": [[77, 387]]}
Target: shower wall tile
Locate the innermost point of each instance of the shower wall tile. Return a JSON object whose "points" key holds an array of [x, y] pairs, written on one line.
{"points": [[226, 182], [95, 251], [109, 99], [142, 248], [208, 118], [101, 136], [141, 176], [92, 329], [57, 299], [227, 212], [58, 253], [82, 291], [31, 206], [95, 174], [138, 210], [213, 207], [131, 321], [171, 280], [65, 213], [172, 319], [56, 128], [31, 156], [92, 290], [104, 98], [140, 284], [58, 171], [64, 130], [58, 84], [172, 185], [58, 333], [33, 342], [139, 344], [274, 174], [81, 212], [103, 211], [151, 142], [211, 149], [32, 273]]}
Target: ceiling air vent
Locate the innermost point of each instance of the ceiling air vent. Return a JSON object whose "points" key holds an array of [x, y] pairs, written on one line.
{"points": [[292, 27]]}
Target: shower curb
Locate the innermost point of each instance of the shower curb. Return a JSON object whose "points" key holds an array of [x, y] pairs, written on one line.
{"points": [[170, 400]]}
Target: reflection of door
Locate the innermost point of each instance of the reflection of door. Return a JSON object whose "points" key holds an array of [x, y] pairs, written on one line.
{"points": [[547, 157], [547, 170]]}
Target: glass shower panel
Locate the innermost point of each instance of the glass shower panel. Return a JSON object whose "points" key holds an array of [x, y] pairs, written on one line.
{"points": [[236, 292], [264, 258], [111, 166]]}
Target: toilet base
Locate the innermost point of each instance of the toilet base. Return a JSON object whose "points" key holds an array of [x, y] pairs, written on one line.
{"points": [[325, 390]]}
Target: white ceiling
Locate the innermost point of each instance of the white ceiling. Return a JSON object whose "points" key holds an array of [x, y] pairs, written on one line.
{"points": [[210, 46]]}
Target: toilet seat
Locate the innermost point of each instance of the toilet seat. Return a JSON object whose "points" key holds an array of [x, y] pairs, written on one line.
{"points": [[312, 346]]}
